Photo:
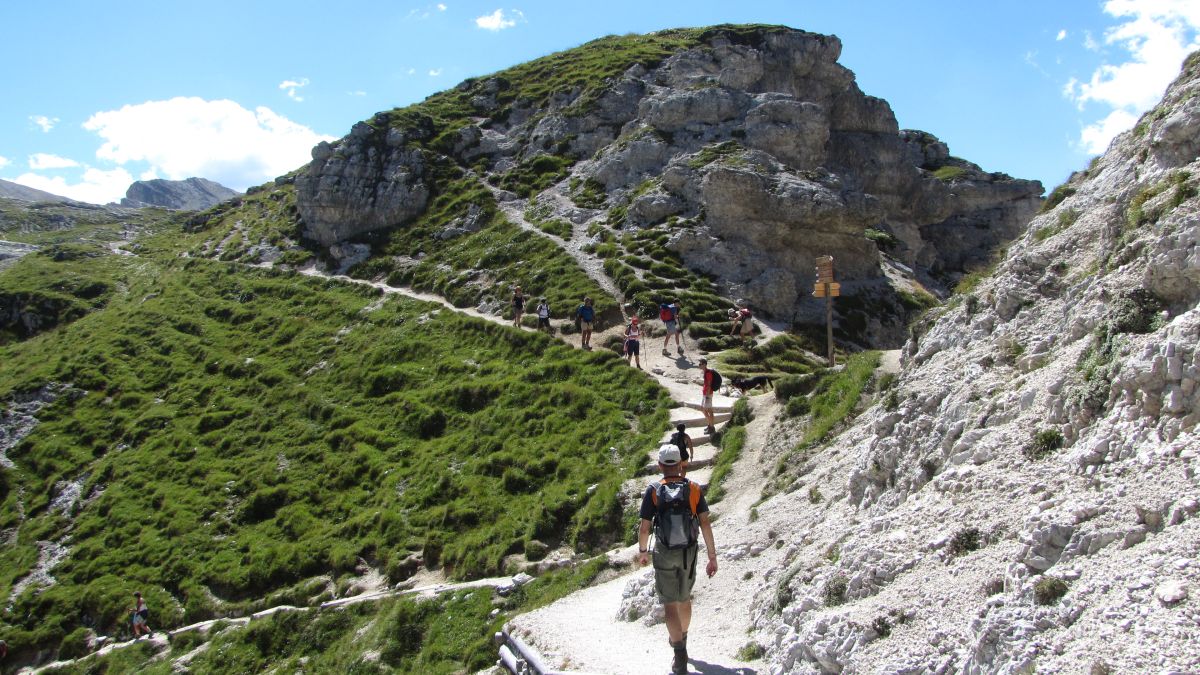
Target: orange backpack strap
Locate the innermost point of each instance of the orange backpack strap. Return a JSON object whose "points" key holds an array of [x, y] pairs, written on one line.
{"points": [[694, 496]]}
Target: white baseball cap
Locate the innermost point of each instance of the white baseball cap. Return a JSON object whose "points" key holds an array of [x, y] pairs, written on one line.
{"points": [[668, 454]]}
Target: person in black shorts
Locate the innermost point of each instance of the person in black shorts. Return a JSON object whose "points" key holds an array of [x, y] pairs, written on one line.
{"points": [[518, 305]]}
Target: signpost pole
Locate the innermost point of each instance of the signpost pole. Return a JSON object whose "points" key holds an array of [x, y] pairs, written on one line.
{"points": [[826, 287]]}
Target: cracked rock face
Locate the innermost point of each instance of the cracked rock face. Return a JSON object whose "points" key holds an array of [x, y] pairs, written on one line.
{"points": [[1029, 490], [763, 145]]}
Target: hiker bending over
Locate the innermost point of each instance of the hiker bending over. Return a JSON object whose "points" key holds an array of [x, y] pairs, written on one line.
{"points": [[676, 509], [743, 321], [139, 613]]}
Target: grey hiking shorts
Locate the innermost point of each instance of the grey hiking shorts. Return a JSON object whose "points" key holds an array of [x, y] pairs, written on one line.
{"points": [[675, 573]]}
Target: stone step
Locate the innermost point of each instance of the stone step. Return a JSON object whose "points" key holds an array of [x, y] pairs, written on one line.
{"points": [[717, 407], [697, 420]]}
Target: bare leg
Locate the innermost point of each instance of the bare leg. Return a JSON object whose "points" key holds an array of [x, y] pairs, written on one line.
{"points": [[674, 624]]}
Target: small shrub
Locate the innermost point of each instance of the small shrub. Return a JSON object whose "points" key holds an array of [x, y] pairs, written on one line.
{"points": [[790, 386], [74, 644], [884, 241], [798, 407], [949, 173], [751, 651], [964, 541], [1048, 590], [814, 495], [835, 590], [1056, 197], [881, 626], [1044, 442]]}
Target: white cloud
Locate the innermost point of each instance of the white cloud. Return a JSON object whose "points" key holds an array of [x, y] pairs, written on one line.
{"points": [[1095, 138], [1062, 35], [435, 72], [219, 140], [40, 161], [356, 92], [412, 71], [1089, 42], [498, 21], [441, 7], [1157, 35], [46, 123], [96, 187], [4, 161], [292, 86]]}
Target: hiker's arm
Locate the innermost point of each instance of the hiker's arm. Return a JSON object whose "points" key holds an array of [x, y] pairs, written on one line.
{"points": [[706, 530], [643, 542]]}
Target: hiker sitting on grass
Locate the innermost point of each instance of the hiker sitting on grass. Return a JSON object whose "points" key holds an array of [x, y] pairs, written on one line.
{"points": [[676, 509]]}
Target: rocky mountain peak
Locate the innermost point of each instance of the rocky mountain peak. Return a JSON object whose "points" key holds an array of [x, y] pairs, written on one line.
{"points": [[191, 194], [749, 146]]}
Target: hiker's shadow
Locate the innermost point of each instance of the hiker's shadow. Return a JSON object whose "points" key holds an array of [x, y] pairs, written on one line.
{"points": [[705, 668], [682, 362]]}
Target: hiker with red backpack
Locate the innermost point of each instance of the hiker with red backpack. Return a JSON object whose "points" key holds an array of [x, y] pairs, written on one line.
{"points": [[675, 509], [668, 312]]}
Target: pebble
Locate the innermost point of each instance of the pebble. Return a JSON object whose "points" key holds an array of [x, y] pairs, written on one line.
{"points": [[1171, 592]]}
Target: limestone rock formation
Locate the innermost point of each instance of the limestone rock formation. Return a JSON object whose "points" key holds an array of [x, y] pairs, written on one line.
{"points": [[1025, 498], [753, 148], [192, 194]]}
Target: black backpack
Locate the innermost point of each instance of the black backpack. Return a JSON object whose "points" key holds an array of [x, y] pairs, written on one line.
{"points": [[716, 380], [675, 525]]}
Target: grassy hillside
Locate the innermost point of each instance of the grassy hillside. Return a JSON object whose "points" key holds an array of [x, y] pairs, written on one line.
{"points": [[234, 432]]}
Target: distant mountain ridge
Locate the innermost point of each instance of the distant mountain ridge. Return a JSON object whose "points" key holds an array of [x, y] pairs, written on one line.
{"points": [[13, 190], [191, 194]]}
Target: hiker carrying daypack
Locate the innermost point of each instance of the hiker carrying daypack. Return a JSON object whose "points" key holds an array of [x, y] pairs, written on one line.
{"points": [[676, 522], [675, 509]]}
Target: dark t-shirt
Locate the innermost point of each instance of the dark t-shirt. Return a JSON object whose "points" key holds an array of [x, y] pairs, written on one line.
{"points": [[677, 439], [649, 510], [518, 302], [586, 313]]}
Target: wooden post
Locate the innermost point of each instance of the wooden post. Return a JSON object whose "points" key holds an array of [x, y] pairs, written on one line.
{"points": [[826, 287]]}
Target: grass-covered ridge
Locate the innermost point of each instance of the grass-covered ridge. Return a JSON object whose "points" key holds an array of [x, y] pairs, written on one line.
{"points": [[244, 430]]}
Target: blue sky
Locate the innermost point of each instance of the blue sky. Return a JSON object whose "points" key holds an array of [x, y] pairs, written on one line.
{"points": [[94, 95]]}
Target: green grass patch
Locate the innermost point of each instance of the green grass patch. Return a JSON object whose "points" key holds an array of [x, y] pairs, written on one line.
{"points": [[733, 440], [1056, 197], [949, 173], [244, 430]]}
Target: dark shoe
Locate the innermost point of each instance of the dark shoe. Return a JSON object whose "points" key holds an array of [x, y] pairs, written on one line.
{"points": [[709, 431], [679, 665]]}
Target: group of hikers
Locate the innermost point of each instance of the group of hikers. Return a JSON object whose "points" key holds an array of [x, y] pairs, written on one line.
{"points": [[674, 508]]}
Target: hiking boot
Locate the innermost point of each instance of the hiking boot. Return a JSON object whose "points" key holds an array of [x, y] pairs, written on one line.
{"points": [[680, 350], [679, 665], [666, 353], [710, 431]]}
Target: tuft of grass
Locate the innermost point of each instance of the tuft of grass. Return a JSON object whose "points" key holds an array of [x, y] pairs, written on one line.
{"points": [[964, 541], [751, 651], [1049, 590], [949, 174], [834, 591], [1043, 443], [1056, 197]]}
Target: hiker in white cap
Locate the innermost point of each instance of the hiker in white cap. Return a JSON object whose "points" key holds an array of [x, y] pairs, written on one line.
{"points": [[676, 510]]}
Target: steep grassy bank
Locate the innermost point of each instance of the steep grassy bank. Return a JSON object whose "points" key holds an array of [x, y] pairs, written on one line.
{"points": [[232, 433]]}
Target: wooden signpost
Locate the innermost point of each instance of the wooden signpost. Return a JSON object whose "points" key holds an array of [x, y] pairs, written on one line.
{"points": [[826, 287]]}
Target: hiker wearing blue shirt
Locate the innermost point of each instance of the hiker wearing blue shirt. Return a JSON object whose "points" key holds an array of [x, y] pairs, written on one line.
{"points": [[585, 314], [668, 312]]}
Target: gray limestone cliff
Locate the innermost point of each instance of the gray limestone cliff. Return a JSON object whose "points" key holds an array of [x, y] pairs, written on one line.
{"points": [[1024, 498], [192, 194], [753, 148]]}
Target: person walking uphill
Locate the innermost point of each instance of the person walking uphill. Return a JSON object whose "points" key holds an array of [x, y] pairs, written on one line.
{"points": [[138, 615], [710, 383], [586, 314], [518, 305], [669, 314], [675, 509], [633, 344]]}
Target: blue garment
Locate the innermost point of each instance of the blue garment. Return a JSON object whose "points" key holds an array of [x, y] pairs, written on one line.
{"points": [[586, 313]]}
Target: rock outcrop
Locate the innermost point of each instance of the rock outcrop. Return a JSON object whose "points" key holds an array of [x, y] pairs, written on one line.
{"points": [[11, 190], [753, 148], [1025, 498], [192, 194]]}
